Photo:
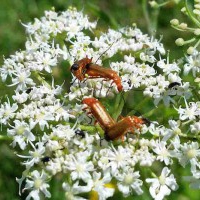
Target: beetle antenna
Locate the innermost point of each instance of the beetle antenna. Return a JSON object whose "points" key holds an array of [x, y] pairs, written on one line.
{"points": [[69, 51], [73, 81], [106, 50]]}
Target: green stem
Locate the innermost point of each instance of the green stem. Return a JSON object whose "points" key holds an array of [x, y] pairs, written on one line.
{"points": [[92, 129], [189, 136], [190, 14], [119, 104], [4, 137], [89, 128], [164, 3], [150, 20], [41, 79], [154, 20], [152, 111], [146, 14], [197, 44], [189, 41], [186, 29]]}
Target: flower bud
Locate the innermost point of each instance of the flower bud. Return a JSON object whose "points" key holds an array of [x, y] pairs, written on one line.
{"points": [[153, 4], [190, 50], [183, 26], [183, 9], [174, 22], [179, 42], [196, 11], [197, 6], [197, 31]]}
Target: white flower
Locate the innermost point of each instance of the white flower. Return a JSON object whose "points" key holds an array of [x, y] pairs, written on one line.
{"points": [[37, 183], [162, 152], [20, 98], [193, 181], [103, 159], [21, 134], [144, 157], [7, 111], [193, 64], [167, 67], [60, 111], [162, 186], [128, 181], [35, 156], [118, 158], [189, 153], [45, 61], [41, 116], [173, 132], [86, 142], [79, 167], [20, 180], [98, 185], [190, 112], [22, 79], [55, 165], [195, 128], [72, 190]]}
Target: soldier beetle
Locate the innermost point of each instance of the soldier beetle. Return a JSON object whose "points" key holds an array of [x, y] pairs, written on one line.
{"points": [[113, 130], [99, 112], [127, 124], [84, 68], [79, 68]]}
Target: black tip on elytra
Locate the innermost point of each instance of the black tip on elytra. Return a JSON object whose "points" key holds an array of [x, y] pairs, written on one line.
{"points": [[146, 121]]}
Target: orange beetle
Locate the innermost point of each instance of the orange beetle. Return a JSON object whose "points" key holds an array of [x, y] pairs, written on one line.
{"points": [[99, 112], [79, 68], [127, 124], [113, 130], [84, 68]]}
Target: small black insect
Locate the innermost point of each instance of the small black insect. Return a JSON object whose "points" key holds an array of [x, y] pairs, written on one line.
{"points": [[29, 90], [173, 84], [80, 133], [129, 83], [45, 159]]}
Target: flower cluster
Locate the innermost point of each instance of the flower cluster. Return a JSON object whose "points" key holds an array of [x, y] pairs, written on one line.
{"points": [[53, 132]]}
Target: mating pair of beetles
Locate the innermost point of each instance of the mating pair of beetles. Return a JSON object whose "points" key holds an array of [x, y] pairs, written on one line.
{"points": [[84, 68]]}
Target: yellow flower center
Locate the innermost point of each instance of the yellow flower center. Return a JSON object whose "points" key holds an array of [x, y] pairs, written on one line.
{"points": [[191, 153], [37, 183]]}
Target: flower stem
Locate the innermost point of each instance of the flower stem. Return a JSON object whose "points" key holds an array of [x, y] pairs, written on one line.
{"points": [[190, 14], [5, 137], [89, 128], [150, 20], [119, 104]]}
